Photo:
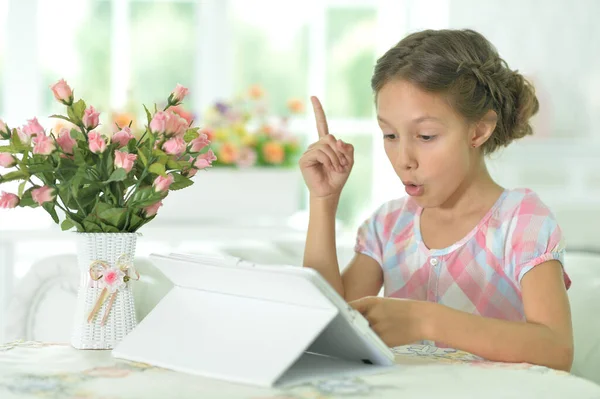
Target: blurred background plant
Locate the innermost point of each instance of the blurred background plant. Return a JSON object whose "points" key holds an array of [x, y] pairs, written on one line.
{"points": [[246, 133]]}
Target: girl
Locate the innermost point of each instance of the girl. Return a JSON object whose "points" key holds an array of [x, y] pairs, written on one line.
{"points": [[463, 262]]}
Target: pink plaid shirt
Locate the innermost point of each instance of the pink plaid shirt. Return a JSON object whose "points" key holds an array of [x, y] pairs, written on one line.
{"points": [[480, 274]]}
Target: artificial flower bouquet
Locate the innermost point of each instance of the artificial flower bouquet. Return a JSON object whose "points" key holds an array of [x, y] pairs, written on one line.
{"points": [[245, 134], [102, 184]]}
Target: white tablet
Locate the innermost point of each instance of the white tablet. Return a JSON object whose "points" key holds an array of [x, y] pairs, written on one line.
{"points": [[347, 337], [255, 324]]}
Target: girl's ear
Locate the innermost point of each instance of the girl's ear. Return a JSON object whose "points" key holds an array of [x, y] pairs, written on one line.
{"points": [[484, 129]]}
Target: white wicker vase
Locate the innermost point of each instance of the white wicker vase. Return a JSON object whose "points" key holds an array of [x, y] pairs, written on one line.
{"points": [[109, 248]]}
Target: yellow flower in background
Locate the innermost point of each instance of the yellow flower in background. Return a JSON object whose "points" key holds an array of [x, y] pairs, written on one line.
{"points": [[249, 140], [295, 105], [228, 153], [273, 153], [240, 129], [256, 92], [221, 134]]}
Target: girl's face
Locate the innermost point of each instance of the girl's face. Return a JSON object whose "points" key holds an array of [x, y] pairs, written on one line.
{"points": [[428, 144]]}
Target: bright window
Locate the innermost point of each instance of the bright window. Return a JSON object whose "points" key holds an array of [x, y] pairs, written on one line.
{"points": [[270, 51], [162, 49], [81, 56]]}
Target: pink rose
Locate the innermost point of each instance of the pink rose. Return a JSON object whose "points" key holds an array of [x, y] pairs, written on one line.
{"points": [[8, 200], [65, 141], [162, 183], [177, 109], [174, 146], [112, 279], [124, 160], [199, 143], [7, 160], [97, 142], [152, 209], [3, 127], [205, 160], [178, 94], [176, 125], [91, 118], [44, 145], [42, 195], [62, 92], [33, 128], [202, 163], [25, 138], [159, 122], [122, 137]]}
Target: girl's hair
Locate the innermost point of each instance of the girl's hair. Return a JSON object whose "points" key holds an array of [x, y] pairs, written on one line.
{"points": [[466, 68]]}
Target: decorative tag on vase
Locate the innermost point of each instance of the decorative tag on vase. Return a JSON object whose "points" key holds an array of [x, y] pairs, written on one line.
{"points": [[111, 280]]}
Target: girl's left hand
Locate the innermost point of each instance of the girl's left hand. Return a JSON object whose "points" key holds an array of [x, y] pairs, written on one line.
{"points": [[396, 321]]}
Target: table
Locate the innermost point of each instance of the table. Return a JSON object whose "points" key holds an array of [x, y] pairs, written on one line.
{"points": [[55, 370]]}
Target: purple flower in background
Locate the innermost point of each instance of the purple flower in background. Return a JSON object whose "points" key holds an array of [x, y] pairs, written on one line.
{"points": [[221, 107]]}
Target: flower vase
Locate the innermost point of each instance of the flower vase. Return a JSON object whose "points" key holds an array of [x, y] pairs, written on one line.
{"points": [[105, 310]]}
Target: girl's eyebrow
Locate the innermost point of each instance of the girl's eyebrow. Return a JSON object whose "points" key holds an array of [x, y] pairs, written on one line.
{"points": [[415, 121]]}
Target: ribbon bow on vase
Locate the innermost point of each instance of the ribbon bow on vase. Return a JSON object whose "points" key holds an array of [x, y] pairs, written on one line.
{"points": [[111, 280]]}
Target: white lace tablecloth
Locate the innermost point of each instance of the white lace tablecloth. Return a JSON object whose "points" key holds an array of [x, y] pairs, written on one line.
{"points": [[45, 370]]}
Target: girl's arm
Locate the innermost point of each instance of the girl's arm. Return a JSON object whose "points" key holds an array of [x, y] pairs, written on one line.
{"points": [[362, 277], [320, 250], [545, 339]]}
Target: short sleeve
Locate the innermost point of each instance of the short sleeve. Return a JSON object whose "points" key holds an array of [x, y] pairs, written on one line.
{"points": [[535, 238], [369, 240]]}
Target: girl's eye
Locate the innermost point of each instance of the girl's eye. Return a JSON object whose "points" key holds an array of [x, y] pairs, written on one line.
{"points": [[426, 138], [389, 136]]}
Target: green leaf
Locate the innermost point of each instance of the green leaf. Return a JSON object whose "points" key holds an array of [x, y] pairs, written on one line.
{"points": [[148, 116], [79, 157], [135, 222], [173, 164], [61, 117], [143, 157], [108, 162], [78, 110], [180, 182], [157, 169], [118, 175], [67, 224], [146, 197], [49, 207], [161, 155], [15, 175], [77, 179], [91, 227], [106, 228], [6, 148], [77, 135], [115, 217], [40, 168], [27, 200], [131, 146], [190, 135], [21, 188], [16, 140]]}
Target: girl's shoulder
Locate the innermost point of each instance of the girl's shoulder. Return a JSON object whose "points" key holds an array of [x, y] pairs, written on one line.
{"points": [[522, 202]]}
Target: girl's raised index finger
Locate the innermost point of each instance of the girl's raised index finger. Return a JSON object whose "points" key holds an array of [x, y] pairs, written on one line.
{"points": [[322, 127]]}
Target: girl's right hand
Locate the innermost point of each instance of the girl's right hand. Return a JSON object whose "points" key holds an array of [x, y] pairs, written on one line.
{"points": [[327, 163]]}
